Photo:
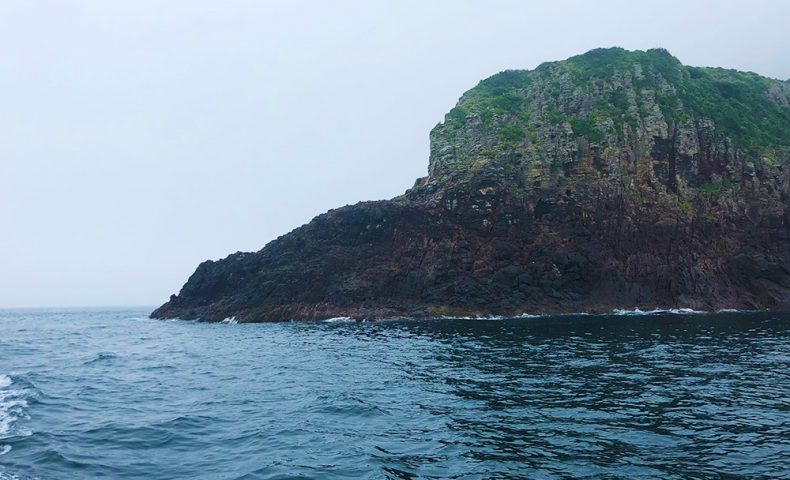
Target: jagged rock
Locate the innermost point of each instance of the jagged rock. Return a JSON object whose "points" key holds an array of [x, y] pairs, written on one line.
{"points": [[613, 179]]}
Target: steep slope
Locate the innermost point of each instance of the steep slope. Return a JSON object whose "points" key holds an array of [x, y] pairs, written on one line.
{"points": [[613, 179]]}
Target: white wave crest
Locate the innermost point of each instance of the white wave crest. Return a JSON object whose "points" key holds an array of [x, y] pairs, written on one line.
{"points": [[540, 315], [13, 406], [529, 315], [657, 311], [230, 321], [339, 320], [476, 317]]}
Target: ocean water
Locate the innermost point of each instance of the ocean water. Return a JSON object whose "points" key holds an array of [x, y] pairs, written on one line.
{"points": [[111, 394]]}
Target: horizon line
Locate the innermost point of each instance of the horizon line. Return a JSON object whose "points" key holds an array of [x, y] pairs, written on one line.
{"points": [[75, 307]]}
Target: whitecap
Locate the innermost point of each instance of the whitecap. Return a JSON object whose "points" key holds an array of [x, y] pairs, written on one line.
{"points": [[657, 311], [13, 406], [339, 320], [529, 315], [540, 315], [476, 317], [636, 311], [686, 311], [11, 409]]}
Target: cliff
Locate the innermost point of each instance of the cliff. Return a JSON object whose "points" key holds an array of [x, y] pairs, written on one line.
{"points": [[613, 179]]}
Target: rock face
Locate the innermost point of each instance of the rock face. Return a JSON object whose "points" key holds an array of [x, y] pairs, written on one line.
{"points": [[613, 179]]}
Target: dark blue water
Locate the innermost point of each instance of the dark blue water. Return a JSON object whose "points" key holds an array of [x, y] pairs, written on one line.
{"points": [[111, 394]]}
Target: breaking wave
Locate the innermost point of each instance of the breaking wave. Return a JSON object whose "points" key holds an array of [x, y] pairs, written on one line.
{"points": [[339, 320], [13, 407], [617, 312], [658, 311]]}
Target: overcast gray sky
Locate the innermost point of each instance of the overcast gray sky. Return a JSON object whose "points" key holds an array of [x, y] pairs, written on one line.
{"points": [[138, 138]]}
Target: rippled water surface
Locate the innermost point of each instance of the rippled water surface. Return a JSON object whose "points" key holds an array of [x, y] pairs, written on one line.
{"points": [[112, 394]]}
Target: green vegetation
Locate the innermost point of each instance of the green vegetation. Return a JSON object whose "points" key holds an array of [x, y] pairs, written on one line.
{"points": [[488, 152], [508, 102], [736, 102], [771, 158], [503, 82], [716, 188], [458, 114], [603, 63], [556, 116], [511, 133], [618, 100], [682, 202], [586, 127], [497, 96], [478, 166]]}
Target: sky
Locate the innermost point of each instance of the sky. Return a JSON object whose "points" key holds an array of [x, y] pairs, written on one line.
{"points": [[139, 138]]}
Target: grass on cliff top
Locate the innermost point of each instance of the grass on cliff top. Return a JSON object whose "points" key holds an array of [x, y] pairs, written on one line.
{"points": [[603, 63], [737, 102]]}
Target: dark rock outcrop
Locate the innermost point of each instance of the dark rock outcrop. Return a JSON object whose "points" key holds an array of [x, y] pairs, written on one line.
{"points": [[613, 179]]}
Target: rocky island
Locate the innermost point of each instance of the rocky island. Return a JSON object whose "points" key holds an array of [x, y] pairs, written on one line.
{"points": [[613, 179]]}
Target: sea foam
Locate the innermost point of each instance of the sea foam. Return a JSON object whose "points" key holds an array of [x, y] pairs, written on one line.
{"points": [[339, 320], [13, 406], [657, 311]]}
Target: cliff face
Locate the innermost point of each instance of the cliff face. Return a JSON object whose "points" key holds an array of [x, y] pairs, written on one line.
{"points": [[613, 179]]}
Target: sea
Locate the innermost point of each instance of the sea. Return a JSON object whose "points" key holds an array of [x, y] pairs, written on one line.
{"points": [[110, 393]]}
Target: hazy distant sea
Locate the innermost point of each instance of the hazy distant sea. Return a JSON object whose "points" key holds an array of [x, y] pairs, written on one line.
{"points": [[111, 394]]}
